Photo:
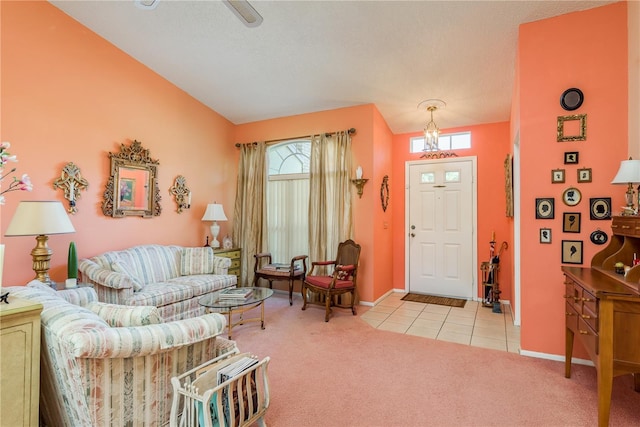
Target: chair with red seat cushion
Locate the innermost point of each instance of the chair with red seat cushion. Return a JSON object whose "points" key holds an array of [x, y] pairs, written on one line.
{"points": [[341, 281]]}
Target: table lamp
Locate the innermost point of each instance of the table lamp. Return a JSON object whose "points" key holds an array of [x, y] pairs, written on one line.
{"points": [[629, 174], [214, 213], [40, 218]]}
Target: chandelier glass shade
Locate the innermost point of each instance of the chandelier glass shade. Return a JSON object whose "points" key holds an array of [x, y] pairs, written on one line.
{"points": [[431, 132]]}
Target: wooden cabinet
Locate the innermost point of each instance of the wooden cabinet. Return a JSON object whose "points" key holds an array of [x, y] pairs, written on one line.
{"points": [[236, 262], [19, 362], [602, 309]]}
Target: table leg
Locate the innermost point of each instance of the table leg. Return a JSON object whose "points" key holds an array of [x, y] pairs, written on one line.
{"points": [[262, 314], [568, 352], [229, 324]]}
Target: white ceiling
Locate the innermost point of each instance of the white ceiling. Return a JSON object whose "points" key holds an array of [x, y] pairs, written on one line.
{"points": [[312, 56]]}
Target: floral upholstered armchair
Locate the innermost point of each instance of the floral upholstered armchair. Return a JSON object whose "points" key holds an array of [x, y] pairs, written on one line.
{"points": [[110, 365]]}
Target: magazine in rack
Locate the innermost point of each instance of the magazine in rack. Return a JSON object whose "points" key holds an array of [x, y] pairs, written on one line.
{"points": [[218, 374]]}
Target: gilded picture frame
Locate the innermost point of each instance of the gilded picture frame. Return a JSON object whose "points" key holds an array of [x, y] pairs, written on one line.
{"points": [[570, 131]]}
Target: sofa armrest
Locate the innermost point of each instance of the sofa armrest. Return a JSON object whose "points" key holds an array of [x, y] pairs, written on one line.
{"points": [[111, 286], [221, 265], [79, 296], [141, 341]]}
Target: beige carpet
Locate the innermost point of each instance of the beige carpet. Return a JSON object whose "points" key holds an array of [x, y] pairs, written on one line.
{"points": [[345, 373], [432, 299]]}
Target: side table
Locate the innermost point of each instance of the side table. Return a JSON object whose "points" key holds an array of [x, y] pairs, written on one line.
{"points": [[20, 362], [235, 254]]}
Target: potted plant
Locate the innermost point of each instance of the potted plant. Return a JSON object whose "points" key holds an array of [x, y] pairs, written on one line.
{"points": [[72, 267]]}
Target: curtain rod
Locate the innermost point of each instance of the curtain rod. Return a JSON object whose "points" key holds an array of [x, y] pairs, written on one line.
{"points": [[271, 141]]}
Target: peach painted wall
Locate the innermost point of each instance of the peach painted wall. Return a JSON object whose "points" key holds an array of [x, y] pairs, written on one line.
{"points": [[70, 96], [361, 118], [382, 226], [587, 50], [490, 144]]}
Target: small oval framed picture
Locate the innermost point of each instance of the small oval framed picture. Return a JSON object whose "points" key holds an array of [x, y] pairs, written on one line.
{"points": [[571, 196], [584, 175]]}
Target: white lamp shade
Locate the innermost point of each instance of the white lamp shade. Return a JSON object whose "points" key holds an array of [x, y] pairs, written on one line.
{"points": [[33, 218], [629, 172], [214, 212]]}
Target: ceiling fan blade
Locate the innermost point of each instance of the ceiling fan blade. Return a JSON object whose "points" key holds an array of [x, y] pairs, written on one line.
{"points": [[244, 11]]}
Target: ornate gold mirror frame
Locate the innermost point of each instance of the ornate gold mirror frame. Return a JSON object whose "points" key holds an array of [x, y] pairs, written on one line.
{"points": [[579, 134], [132, 189]]}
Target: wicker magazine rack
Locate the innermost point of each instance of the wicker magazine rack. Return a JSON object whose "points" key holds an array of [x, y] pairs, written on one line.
{"points": [[199, 400]]}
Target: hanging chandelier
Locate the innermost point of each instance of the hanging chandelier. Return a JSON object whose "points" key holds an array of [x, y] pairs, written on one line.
{"points": [[431, 130]]}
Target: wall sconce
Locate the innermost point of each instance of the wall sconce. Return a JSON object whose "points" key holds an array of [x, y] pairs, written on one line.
{"points": [[359, 182], [72, 183], [629, 174], [181, 193]]}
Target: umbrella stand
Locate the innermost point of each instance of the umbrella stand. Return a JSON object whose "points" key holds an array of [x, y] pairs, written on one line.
{"points": [[489, 272]]}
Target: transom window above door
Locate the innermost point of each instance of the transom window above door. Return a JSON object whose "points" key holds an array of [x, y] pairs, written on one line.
{"points": [[450, 141]]}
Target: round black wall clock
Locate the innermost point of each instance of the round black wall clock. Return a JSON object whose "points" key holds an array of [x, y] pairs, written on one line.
{"points": [[571, 99]]}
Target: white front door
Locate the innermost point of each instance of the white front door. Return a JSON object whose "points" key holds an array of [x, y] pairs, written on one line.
{"points": [[441, 220]]}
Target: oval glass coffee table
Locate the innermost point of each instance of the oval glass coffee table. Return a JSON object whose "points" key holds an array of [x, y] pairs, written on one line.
{"points": [[215, 302]]}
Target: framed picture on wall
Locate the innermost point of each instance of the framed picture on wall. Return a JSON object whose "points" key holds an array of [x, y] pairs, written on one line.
{"points": [[571, 222], [557, 176], [584, 175], [545, 235], [571, 158], [600, 208], [572, 251], [544, 208]]}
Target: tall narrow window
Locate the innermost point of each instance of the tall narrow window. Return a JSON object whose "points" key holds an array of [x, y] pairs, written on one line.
{"points": [[288, 199]]}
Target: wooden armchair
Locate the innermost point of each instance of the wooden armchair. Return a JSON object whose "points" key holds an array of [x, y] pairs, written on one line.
{"points": [[265, 269], [341, 281]]}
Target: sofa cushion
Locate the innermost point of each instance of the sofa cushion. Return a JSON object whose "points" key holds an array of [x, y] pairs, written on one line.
{"points": [[124, 315], [124, 267], [196, 261], [161, 294]]}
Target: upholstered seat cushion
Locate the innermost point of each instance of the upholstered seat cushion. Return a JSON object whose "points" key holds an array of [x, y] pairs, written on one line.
{"points": [[325, 282]]}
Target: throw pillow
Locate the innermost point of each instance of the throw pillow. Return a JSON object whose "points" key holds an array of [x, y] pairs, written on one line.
{"points": [[342, 274], [125, 315], [120, 266], [196, 261]]}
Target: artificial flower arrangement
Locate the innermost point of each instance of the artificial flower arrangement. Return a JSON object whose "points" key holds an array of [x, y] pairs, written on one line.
{"points": [[24, 183]]}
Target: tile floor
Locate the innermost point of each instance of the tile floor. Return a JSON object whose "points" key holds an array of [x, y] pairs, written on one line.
{"points": [[472, 325]]}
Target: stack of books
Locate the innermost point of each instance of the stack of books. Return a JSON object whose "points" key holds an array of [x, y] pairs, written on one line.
{"points": [[235, 293], [280, 267]]}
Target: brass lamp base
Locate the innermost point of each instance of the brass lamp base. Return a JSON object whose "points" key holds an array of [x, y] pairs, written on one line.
{"points": [[42, 259]]}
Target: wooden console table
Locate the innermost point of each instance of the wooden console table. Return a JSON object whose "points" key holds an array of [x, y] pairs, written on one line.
{"points": [[20, 362], [603, 310]]}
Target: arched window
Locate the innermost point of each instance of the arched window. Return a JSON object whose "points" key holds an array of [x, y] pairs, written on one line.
{"points": [[289, 158], [288, 199]]}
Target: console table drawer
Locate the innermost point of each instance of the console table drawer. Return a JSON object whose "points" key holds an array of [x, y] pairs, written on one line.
{"points": [[571, 317], [589, 337]]}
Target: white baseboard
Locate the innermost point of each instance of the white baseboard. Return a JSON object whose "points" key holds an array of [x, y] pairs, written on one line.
{"points": [[556, 357]]}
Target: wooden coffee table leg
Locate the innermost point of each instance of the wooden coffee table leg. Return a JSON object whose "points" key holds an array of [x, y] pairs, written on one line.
{"points": [[262, 314], [229, 324]]}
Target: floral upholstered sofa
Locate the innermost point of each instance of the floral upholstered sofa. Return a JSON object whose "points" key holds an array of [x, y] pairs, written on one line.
{"points": [[107, 365], [171, 278]]}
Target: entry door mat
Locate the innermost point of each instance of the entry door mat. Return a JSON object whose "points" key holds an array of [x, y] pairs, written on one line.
{"points": [[432, 299]]}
